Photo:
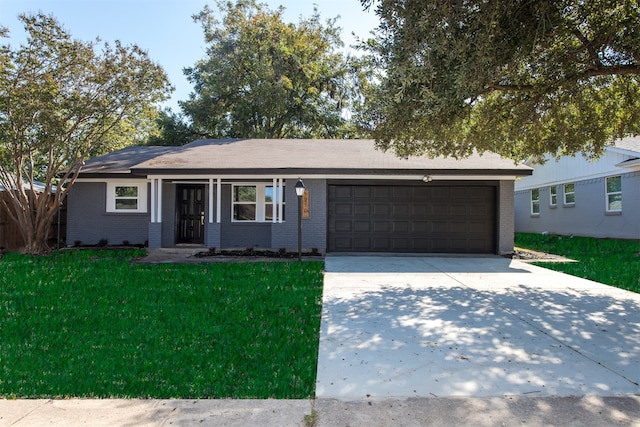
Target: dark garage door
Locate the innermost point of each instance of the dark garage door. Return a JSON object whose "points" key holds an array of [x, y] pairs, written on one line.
{"points": [[427, 218]]}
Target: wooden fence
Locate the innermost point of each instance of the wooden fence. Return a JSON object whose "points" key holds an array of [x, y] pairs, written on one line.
{"points": [[11, 239]]}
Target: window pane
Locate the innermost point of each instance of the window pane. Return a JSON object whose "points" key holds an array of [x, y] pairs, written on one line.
{"points": [[127, 204], [245, 193], [614, 184], [268, 212], [268, 194], [570, 198], [535, 207], [569, 188], [131, 191], [554, 190], [535, 194], [615, 202], [244, 212]]}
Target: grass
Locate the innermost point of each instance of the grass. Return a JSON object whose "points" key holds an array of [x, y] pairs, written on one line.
{"points": [[610, 261], [90, 324]]}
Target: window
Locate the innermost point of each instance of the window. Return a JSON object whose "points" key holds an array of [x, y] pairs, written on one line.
{"points": [[254, 202], [570, 194], [126, 197], [535, 201], [553, 191], [268, 202], [614, 193]]}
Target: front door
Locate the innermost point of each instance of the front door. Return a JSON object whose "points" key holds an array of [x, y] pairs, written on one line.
{"points": [[190, 209]]}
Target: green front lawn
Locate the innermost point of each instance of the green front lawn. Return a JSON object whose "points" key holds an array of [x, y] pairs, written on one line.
{"points": [[610, 261], [90, 324]]}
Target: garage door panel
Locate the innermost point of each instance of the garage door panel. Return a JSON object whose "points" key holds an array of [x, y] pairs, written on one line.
{"points": [[362, 209], [411, 218]]}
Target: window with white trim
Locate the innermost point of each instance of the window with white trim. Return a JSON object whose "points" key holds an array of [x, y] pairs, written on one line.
{"points": [[613, 190], [569, 191], [255, 202], [553, 195], [126, 197], [535, 201]]}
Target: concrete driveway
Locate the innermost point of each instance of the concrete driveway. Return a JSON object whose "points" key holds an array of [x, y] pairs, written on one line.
{"points": [[420, 326]]}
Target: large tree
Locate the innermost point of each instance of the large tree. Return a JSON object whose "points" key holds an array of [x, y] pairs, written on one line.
{"points": [[264, 78], [62, 100], [518, 77]]}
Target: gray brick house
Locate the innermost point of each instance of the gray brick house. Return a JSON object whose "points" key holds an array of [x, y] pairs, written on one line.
{"points": [[240, 193]]}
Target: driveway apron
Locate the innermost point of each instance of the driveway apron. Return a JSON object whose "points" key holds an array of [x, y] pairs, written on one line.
{"points": [[419, 326]]}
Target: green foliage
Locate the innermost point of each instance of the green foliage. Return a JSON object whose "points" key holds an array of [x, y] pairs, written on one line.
{"points": [[520, 78], [62, 100], [173, 129], [89, 324], [263, 78], [610, 261]]}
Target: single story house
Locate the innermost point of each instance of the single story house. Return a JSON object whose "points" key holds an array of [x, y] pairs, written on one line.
{"points": [[575, 196], [239, 193]]}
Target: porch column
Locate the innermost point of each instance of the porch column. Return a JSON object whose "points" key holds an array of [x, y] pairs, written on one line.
{"points": [[280, 200], [274, 201], [156, 200], [218, 201], [210, 200]]}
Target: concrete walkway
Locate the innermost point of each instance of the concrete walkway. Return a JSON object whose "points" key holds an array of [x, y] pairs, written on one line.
{"points": [[399, 327]]}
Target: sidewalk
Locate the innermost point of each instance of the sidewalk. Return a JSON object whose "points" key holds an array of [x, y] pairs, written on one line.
{"points": [[589, 411]]}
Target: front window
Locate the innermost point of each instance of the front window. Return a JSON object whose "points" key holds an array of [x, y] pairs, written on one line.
{"points": [[553, 190], [126, 197], [614, 193], [255, 202], [535, 201], [244, 203], [570, 194]]}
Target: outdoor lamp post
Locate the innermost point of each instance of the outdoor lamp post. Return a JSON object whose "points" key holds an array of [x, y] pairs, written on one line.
{"points": [[299, 193]]}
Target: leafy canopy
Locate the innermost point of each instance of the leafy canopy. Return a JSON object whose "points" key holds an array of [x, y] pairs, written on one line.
{"points": [[264, 78], [518, 77], [62, 100]]}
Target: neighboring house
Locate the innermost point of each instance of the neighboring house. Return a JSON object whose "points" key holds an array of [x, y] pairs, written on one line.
{"points": [[575, 196], [240, 194]]}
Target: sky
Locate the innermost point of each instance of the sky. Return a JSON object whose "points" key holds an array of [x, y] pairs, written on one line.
{"points": [[165, 29]]}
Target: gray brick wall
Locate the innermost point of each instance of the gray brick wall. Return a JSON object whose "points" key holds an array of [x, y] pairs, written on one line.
{"points": [[314, 228], [506, 217], [89, 222]]}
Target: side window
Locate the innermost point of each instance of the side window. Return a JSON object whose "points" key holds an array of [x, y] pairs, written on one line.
{"points": [[553, 197], [255, 202], [614, 193], [126, 197], [244, 202], [269, 198], [570, 194], [535, 201]]}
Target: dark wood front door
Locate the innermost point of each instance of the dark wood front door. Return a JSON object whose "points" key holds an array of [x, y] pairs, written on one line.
{"points": [[190, 209]]}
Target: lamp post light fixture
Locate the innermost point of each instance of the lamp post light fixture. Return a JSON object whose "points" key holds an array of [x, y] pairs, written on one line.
{"points": [[299, 192]]}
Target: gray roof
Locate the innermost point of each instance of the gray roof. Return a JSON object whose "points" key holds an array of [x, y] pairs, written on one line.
{"points": [[121, 161], [332, 156], [288, 156], [629, 144]]}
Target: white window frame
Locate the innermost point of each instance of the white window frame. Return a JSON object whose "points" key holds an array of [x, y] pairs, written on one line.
{"points": [[607, 193], [260, 202], [535, 202], [565, 193], [141, 198], [553, 195]]}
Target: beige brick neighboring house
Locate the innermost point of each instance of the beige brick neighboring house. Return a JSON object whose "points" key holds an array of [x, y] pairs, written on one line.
{"points": [[240, 193]]}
